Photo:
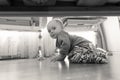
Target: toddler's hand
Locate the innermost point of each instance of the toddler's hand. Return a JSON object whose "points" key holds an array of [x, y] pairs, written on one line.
{"points": [[57, 58], [41, 58]]}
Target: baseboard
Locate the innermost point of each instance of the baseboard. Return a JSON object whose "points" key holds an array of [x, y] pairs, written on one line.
{"points": [[11, 57]]}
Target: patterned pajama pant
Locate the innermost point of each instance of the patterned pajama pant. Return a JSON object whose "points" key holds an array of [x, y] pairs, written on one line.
{"points": [[87, 53]]}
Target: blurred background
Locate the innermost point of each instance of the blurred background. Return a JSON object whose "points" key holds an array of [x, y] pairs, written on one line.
{"points": [[25, 37]]}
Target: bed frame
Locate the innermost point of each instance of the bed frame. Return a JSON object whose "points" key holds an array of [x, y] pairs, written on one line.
{"points": [[61, 8]]}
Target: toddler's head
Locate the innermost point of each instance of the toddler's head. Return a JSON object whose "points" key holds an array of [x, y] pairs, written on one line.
{"points": [[54, 28]]}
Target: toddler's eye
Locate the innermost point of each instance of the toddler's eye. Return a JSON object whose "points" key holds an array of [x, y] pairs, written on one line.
{"points": [[54, 28], [49, 31]]}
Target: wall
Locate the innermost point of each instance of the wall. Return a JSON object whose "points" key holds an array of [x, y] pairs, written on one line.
{"points": [[90, 35], [14, 43], [112, 33]]}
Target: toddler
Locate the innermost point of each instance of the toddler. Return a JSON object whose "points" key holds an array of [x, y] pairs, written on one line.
{"points": [[78, 49]]}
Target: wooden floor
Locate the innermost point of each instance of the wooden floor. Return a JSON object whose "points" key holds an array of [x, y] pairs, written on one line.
{"points": [[32, 69]]}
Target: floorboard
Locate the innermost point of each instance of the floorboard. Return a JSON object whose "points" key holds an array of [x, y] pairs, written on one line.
{"points": [[32, 69]]}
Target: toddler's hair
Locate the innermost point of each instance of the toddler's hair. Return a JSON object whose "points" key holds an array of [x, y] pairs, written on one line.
{"points": [[59, 22]]}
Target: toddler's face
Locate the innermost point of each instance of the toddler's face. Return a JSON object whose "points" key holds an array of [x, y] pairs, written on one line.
{"points": [[54, 29]]}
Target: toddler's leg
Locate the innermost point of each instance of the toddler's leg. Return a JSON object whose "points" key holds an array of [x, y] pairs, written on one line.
{"points": [[79, 55], [101, 56], [102, 53], [87, 54], [97, 55]]}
